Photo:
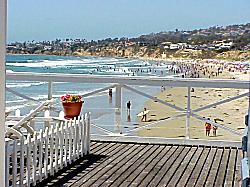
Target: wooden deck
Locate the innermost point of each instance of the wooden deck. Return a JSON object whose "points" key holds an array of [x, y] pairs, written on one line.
{"points": [[138, 164]]}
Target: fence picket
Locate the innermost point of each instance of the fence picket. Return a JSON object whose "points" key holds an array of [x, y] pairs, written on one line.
{"points": [[56, 146], [82, 135], [66, 142], [74, 139], [22, 161], [51, 142], [77, 138], [40, 160], [61, 144], [28, 179], [46, 152], [70, 142], [88, 133], [14, 164], [34, 158]]}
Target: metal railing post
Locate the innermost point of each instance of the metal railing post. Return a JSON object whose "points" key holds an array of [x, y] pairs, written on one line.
{"points": [[3, 26], [50, 84], [118, 104], [188, 114], [118, 96]]}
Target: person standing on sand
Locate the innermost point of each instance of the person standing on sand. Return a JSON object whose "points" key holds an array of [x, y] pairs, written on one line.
{"points": [[128, 107], [208, 128], [144, 116], [110, 92], [214, 130]]}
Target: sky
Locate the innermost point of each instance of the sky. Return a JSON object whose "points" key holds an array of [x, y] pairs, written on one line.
{"points": [[98, 19]]}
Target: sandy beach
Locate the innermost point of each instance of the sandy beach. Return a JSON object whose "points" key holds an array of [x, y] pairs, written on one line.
{"points": [[232, 113]]}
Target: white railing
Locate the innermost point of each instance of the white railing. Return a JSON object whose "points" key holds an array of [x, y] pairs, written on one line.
{"points": [[31, 159], [120, 83]]}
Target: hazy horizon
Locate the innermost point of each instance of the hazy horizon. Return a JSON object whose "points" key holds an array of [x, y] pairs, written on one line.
{"points": [[92, 20]]}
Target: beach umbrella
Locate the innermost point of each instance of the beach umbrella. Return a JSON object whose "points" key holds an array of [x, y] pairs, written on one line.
{"points": [[3, 17]]}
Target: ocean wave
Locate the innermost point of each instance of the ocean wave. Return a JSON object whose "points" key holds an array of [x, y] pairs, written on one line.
{"points": [[23, 84]]}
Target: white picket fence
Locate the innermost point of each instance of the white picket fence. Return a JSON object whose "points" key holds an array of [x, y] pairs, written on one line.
{"points": [[34, 158]]}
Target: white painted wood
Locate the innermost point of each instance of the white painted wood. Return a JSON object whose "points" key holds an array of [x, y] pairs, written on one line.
{"points": [[82, 134], [56, 143], [20, 95], [74, 138], [46, 162], [28, 168], [40, 165], [153, 98], [34, 160], [78, 141], [3, 27], [50, 87], [98, 91], [61, 143], [66, 142], [32, 114], [221, 102], [56, 146], [118, 97], [22, 152], [88, 133], [146, 81], [70, 141], [14, 164], [51, 146], [188, 113]]}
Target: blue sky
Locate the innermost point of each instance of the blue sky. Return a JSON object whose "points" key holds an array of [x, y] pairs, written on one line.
{"points": [[98, 19]]}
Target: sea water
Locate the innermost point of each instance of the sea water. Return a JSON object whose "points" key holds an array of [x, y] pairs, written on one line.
{"points": [[102, 108]]}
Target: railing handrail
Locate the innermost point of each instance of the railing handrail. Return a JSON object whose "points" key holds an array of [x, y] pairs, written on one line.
{"points": [[135, 80]]}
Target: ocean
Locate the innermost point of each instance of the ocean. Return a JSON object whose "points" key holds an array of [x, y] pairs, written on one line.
{"points": [[101, 107]]}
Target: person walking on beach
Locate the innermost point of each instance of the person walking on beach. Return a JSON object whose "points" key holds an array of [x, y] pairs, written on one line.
{"points": [[144, 116], [128, 107], [214, 130], [208, 127], [110, 92]]}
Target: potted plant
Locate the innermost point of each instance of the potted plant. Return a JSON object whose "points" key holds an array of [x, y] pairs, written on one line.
{"points": [[72, 105]]}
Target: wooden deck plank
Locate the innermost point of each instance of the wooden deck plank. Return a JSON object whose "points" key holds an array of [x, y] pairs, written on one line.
{"points": [[214, 169], [146, 167], [174, 167], [237, 169], [119, 167], [99, 150], [103, 151], [104, 167], [194, 168], [146, 176], [164, 168], [175, 177], [221, 173], [150, 171], [123, 173], [141, 164], [206, 168], [230, 169]]}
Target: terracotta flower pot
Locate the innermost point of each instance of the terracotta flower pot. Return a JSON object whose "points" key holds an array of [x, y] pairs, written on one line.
{"points": [[72, 109]]}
